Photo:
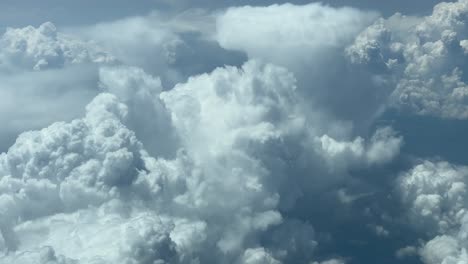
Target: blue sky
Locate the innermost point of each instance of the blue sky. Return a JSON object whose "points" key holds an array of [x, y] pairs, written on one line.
{"points": [[65, 13]]}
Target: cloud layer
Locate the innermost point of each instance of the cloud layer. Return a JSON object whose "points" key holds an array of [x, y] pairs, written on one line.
{"points": [[246, 135]]}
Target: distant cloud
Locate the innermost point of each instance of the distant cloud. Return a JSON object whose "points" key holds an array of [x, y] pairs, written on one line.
{"points": [[436, 196], [423, 57]]}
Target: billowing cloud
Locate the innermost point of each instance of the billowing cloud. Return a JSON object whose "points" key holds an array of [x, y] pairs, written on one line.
{"points": [[52, 76], [436, 196], [224, 190], [424, 57], [304, 39], [250, 134], [43, 48]]}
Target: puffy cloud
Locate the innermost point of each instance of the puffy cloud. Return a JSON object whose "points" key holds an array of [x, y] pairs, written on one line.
{"points": [[412, 63], [383, 146], [304, 39], [97, 236], [43, 47], [422, 57], [51, 75], [257, 110], [231, 165], [406, 252], [70, 166], [257, 256], [249, 121], [443, 249], [247, 151], [435, 194], [63, 185]]}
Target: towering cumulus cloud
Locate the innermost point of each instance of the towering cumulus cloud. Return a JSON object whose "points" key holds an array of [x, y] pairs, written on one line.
{"points": [[309, 40], [261, 134], [427, 55], [245, 148]]}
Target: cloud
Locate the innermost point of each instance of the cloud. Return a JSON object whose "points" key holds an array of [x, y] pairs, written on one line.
{"points": [[249, 122], [422, 56], [147, 114], [172, 46], [43, 47], [244, 135], [52, 76], [94, 175], [28, 12], [258, 255], [435, 194], [285, 27], [304, 39]]}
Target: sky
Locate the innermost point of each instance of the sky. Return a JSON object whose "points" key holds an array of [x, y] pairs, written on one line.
{"points": [[266, 132], [20, 13]]}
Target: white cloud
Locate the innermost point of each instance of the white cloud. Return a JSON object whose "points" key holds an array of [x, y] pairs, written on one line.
{"points": [[444, 249], [436, 196], [43, 47], [309, 41], [422, 57], [216, 169], [283, 33], [256, 111], [52, 76], [242, 134], [407, 251], [258, 256]]}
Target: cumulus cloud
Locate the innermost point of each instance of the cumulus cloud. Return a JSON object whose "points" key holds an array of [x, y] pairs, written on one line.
{"points": [[412, 63], [304, 39], [244, 135], [65, 184], [422, 56], [43, 47], [435, 194], [224, 189], [52, 76]]}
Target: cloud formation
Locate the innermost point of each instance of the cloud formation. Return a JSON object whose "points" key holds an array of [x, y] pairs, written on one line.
{"points": [[423, 57], [435, 193], [303, 39], [246, 135], [252, 155], [50, 74], [44, 48]]}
